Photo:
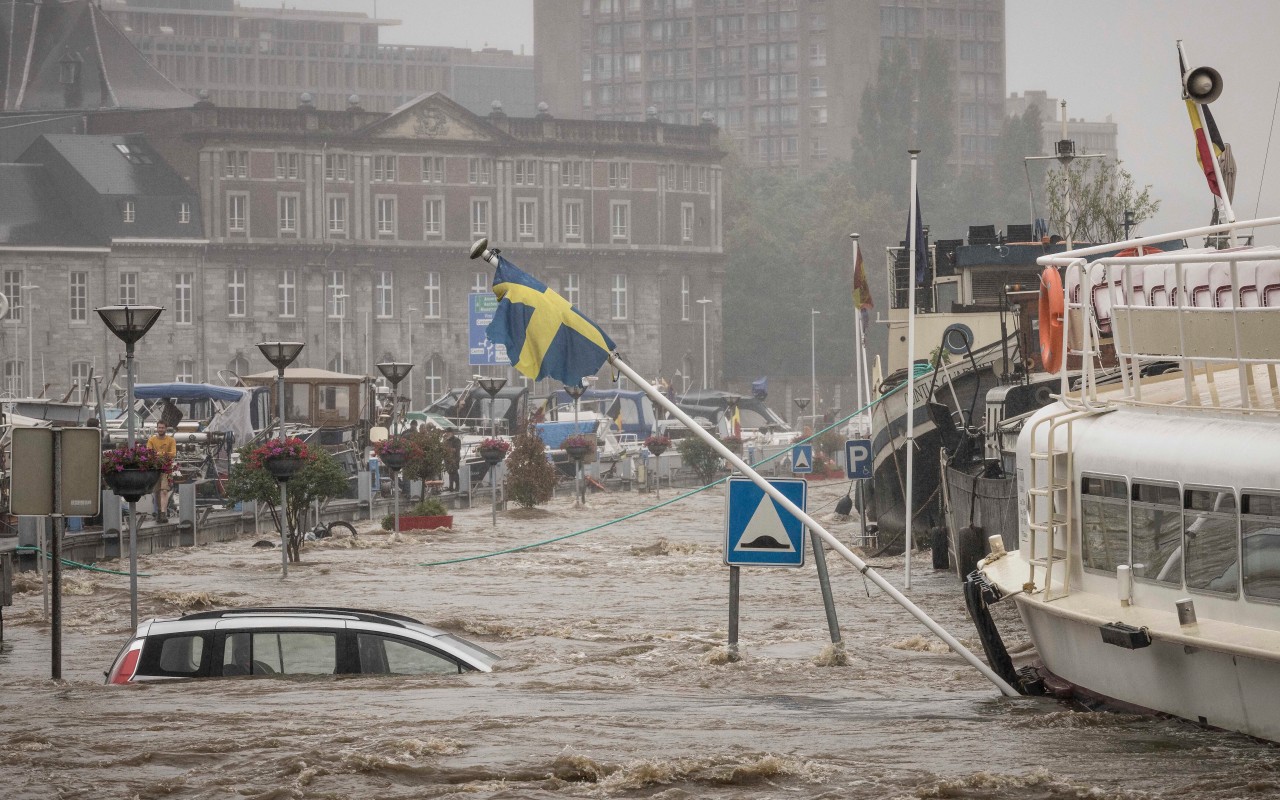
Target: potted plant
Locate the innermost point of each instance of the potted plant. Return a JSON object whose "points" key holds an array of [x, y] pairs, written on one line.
{"points": [[395, 451], [283, 458], [426, 515], [132, 471], [493, 450], [578, 446], [657, 444], [734, 443]]}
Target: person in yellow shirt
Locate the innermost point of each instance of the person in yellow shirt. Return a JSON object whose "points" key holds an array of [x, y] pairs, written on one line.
{"points": [[165, 446]]}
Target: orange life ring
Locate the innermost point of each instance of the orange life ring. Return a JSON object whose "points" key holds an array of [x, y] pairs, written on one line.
{"points": [[1051, 320]]}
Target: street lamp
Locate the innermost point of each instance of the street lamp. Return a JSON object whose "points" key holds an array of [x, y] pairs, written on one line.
{"points": [[394, 372], [575, 391], [491, 387], [129, 324], [703, 302], [340, 304], [31, 335], [801, 403], [813, 359], [281, 355]]}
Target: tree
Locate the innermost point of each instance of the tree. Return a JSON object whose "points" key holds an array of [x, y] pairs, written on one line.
{"points": [[1088, 199], [531, 478], [700, 457], [321, 479], [428, 451]]}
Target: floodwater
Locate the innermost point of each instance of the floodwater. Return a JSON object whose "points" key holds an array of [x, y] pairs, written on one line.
{"points": [[614, 682]]}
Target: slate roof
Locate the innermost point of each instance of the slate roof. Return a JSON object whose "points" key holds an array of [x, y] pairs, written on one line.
{"points": [[32, 213]]}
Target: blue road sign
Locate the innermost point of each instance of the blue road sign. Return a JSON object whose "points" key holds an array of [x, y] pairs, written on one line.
{"points": [[857, 459], [802, 458], [481, 351], [761, 533]]}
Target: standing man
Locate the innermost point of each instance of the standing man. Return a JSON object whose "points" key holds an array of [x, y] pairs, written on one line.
{"points": [[453, 459], [164, 445]]}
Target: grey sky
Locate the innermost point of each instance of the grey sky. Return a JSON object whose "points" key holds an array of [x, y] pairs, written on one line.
{"points": [[1104, 57]]}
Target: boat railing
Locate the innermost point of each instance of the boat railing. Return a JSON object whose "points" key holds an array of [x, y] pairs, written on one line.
{"points": [[1212, 314]]}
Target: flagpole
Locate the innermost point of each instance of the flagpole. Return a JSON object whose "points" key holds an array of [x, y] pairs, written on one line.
{"points": [[857, 328], [911, 362], [728, 455]]}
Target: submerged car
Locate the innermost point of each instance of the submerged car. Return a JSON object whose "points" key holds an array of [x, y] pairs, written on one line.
{"points": [[292, 641]]}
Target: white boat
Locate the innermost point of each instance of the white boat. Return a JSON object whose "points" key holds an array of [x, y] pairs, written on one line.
{"points": [[1148, 562]]}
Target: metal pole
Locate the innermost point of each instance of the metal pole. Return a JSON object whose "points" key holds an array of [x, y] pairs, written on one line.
{"points": [[577, 462], [813, 362], [31, 335], [824, 581], [395, 495], [493, 492], [55, 631], [911, 365], [704, 346], [284, 485], [733, 612], [133, 505]]}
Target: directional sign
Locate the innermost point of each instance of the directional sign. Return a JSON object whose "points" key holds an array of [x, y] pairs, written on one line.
{"points": [[762, 533], [481, 350], [802, 458], [857, 459]]}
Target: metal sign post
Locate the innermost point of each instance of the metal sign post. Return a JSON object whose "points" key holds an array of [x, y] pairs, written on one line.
{"points": [[858, 467]]}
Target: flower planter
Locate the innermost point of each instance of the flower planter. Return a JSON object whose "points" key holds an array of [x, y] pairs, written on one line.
{"points": [[394, 461], [132, 484], [425, 523], [657, 449], [282, 469], [579, 452], [492, 455]]}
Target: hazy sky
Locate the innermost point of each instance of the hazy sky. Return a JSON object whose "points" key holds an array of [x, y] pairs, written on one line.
{"points": [[1104, 57]]}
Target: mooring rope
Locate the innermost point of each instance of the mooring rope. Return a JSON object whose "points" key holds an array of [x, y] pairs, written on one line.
{"points": [[68, 562]]}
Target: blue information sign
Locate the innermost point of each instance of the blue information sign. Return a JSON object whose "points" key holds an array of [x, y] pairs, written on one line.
{"points": [[482, 351], [802, 459], [761, 533], [857, 459]]}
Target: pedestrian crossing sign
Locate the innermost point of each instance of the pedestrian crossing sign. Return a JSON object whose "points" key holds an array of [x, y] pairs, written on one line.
{"points": [[760, 532]]}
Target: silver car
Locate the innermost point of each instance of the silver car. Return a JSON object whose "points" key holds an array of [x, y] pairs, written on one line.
{"points": [[292, 641]]}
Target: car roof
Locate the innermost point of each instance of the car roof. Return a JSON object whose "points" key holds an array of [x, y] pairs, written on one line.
{"points": [[362, 614]]}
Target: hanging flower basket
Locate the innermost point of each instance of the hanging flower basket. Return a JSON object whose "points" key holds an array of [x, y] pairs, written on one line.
{"points": [[493, 451], [134, 471], [577, 446], [281, 458], [396, 451], [282, 468], [657, 444], [132, 484]]}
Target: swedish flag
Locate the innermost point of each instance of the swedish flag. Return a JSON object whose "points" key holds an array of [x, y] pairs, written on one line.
{"points": [[545, 335]]}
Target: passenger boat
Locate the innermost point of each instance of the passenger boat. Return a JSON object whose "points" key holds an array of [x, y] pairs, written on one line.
{"points": [[1147, 568]]}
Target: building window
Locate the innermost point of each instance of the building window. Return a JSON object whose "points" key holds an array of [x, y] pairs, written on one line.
{"points": [[13, 291], [620, 219], [287, 166], [571, 286], [13, 378], [338, 216], [80, 379], [570, 173], [288, 209], [702, 178], [479, 217], [433, 169], [573, 219], [384, 168], [432, 218], [817, 115], [238, 213], [236, 279], [434, 377], [479, 171], [186, 371], [236, 164], [686, 222], [383, 295], [619, 174], [128, 289], [431, 302], [526, 172], [684, 298], [526, 214], [337, 166], [619, 305], [479, 282], [337, 294], [182, 297], [287, 298], [128, 211], [385, 216], [184, 213], [79, 286]]}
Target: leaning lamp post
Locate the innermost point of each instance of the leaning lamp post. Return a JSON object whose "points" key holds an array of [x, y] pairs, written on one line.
{"points": [[281, 355], [491, 387], [129, 324], [394, 372]]}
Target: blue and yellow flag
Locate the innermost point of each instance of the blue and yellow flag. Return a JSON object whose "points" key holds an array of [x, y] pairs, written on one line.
{"points": [[545, 336]]}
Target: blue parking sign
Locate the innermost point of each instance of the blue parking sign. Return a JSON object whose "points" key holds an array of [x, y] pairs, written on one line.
{"points": [[857, 459]]}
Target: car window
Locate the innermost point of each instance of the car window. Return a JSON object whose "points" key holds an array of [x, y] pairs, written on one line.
{"points": [[381, 655], [280, 653], [178, 656]]}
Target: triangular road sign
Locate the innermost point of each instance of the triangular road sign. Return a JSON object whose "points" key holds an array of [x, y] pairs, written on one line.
{"points": [[758, 531], [765, 531]]}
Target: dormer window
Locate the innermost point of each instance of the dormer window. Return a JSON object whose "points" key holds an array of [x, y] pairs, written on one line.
{"points": [[128, 211], [69, 69], [133, 153]]}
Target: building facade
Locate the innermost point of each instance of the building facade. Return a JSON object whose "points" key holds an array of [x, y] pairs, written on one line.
{"points": [[782, 78], [1090, 137], [265, 57], [349, 231]]}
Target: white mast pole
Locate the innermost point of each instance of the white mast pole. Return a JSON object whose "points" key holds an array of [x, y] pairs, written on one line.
{"points": [[859, 356], [911, 363]]}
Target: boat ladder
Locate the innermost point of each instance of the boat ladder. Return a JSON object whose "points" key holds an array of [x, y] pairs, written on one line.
{"points": [[1051, 500]]}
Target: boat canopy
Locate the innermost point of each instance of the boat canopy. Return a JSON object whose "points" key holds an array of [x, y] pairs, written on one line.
{"points": [[187, 391]]}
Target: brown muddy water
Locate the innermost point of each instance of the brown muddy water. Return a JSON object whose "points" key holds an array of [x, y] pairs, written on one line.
{"points": [[613, 684]]}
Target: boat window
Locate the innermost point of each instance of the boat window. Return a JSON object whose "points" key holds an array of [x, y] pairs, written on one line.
{"points": [[1156, 538], [334, 403], [1209, 540], [297, 402], [1104, 523], [1260, 536]]}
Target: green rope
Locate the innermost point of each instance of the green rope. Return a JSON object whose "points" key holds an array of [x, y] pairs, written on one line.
{"points": [[68, 562], [920, 369]]}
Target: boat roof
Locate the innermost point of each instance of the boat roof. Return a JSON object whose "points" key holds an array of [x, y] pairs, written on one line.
{"points": [[305, 374], [188, 391]]}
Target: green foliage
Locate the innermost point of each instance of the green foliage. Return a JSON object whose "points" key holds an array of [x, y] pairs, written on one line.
{"points": [[531, 479], [700, 457], [429, 507], [321, 479], [1088, 198], [428, 454], [831, 442]]}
